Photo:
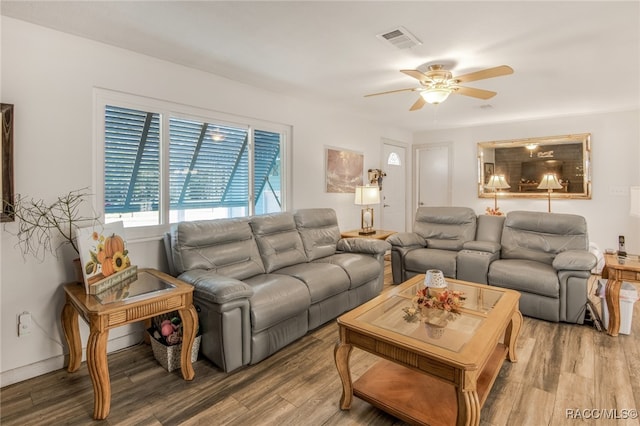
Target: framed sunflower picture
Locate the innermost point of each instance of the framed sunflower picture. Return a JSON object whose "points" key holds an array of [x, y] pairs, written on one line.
{"points": [[104, 256]]}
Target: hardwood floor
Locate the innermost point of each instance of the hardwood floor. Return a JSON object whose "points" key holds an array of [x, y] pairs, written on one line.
{"points": [[561, 367]]}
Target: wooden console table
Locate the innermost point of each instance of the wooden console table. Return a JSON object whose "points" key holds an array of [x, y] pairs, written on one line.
{"points": [[378, 235], [154, 293], [616, 270]]}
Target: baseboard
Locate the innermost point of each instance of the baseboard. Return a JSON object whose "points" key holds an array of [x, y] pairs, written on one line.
{"points": [[45, 366]]}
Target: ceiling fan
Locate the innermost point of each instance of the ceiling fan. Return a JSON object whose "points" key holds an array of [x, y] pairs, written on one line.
{"points": [[437, 84]]}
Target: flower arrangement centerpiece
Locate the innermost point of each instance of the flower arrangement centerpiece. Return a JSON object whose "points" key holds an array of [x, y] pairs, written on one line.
{"points": [[434, 305], [438, 307], [494, 212], [445, 300]]}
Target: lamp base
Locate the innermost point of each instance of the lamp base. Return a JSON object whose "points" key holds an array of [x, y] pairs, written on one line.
{"points": [[367, 232]]}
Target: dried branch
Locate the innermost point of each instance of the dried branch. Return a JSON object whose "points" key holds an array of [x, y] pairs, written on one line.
{"points": [[40, 224]]}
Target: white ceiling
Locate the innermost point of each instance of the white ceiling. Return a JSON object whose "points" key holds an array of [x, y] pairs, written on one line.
{"points": [[568, 57]]}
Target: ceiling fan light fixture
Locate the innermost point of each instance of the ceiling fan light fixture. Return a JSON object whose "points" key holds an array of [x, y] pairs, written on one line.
{"points": [[436, 95]]}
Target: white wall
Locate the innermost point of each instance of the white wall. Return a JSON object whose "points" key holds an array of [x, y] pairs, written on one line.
{"points": [[49, 77], [615, 143]]}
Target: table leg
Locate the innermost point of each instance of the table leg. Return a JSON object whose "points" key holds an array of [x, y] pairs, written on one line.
{"points": [[189, 318], [99, 371], [612, 294], [511, 335], [468, 402], [341, 354], [72, 336]]}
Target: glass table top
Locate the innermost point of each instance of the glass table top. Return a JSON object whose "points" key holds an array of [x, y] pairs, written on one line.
{"points": [[442, 329], [134, 289]]}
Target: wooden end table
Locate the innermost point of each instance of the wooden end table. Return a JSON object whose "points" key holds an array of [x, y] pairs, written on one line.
{"points": [[378, 235], [429, 376], [154, 293], [617, 269]]}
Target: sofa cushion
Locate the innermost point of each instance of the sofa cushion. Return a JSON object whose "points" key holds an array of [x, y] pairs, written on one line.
{"points": [[419, 260], [278, 240], [446, 228], [224, 246], [276, 298], [526, 276], [322, 279], [319, 231], [359, 267], [540, 236]]}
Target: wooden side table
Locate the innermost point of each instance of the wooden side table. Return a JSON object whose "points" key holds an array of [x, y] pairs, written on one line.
{"points": [[154, 293], [379, 234], [616, 270]]}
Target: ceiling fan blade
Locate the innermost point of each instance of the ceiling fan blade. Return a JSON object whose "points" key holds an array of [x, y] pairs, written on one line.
{"points": [[488, 73], [418, 104], [474, 93], [392, 91], [415, 74]]}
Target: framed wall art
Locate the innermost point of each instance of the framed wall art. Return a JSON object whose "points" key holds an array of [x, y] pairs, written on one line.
{"points": [[6, 175], [344, 170]]}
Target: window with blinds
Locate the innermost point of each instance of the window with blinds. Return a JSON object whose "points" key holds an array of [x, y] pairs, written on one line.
{"points": [[213, 168]]}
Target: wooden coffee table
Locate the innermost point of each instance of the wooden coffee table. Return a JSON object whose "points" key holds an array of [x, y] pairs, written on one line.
{"points": [[616, 270], [425, 377]]}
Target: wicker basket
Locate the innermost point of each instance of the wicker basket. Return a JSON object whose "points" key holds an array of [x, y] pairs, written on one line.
{"points": [[169, 356]]}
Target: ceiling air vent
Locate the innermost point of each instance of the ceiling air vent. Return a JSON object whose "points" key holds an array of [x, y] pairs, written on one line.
{"points": [[400, 38]]}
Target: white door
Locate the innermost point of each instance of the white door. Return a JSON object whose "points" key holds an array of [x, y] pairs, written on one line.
{"points": [[393, 194], [433, 175]]}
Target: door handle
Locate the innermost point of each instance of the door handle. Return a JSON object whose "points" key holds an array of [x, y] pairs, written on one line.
{"points": [[386, 205]]}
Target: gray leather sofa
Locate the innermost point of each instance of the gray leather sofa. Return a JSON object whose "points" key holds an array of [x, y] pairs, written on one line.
{"points": [[262, 282], [544, 256]]}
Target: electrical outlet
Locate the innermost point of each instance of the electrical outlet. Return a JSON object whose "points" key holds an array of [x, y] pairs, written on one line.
{"points": [[24, 324]]}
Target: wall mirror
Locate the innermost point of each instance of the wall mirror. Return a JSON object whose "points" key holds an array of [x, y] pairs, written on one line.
{"points": [[523, 163]]}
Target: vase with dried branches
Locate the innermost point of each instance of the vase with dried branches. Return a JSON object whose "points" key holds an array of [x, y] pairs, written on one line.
{"points": [[44, 227]]}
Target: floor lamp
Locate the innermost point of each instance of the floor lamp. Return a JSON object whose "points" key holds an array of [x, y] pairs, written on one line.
{"points": [[365, 196], [496, 183], [549, 182]]}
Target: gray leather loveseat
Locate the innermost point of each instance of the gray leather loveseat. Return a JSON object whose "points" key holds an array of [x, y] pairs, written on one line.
{"points": [[544, 256], [262, 282]]}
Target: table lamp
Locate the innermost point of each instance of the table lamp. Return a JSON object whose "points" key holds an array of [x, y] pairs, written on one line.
{"points": [[549, 182], [496, 183], [365, 196]]}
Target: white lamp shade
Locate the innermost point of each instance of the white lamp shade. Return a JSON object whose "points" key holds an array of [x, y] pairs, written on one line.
{"points": [[497, 182], [367, 195], [435, 96], [634, 192], [549, 181]]}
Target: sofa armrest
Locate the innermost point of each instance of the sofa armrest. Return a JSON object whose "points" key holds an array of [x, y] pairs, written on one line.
{"points": [[406, 239], [216, 288], [488, 246], [574, 260], [363, 245]]}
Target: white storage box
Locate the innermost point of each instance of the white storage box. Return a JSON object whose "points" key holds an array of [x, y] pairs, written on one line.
{"points": [[628, 296]]}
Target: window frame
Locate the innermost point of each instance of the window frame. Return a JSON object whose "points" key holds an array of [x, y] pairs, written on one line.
{"points": [[166, 110]]}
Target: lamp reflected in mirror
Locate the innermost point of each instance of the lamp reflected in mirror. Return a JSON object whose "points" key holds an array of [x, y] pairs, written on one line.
{"points": [[366, 196], [549, 182], [495, 184]]}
